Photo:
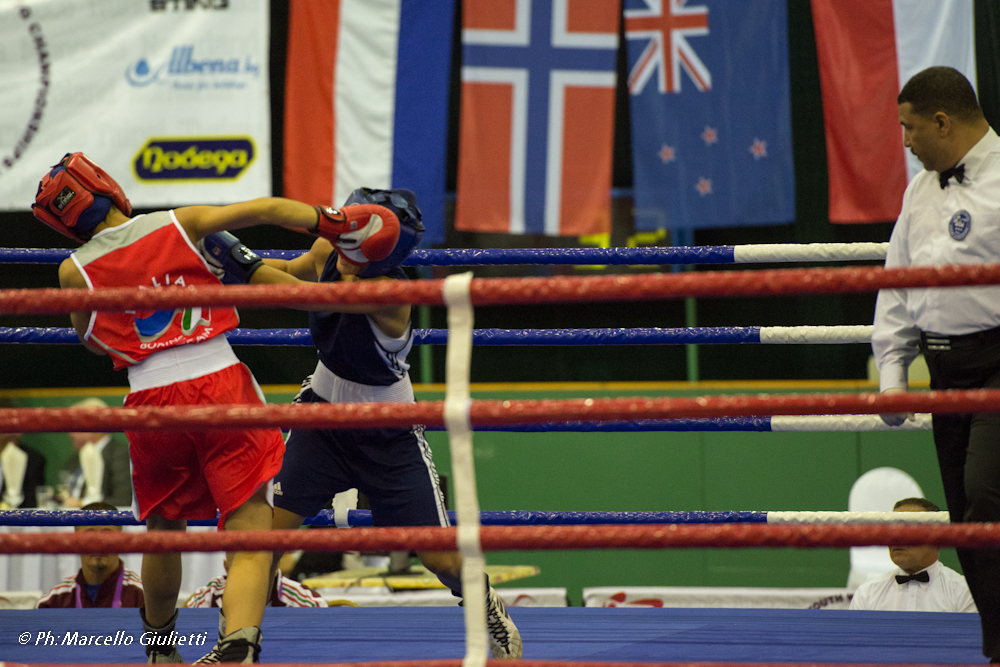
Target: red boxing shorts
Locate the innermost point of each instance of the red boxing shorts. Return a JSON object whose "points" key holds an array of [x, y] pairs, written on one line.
{"points": [[191, 474]]}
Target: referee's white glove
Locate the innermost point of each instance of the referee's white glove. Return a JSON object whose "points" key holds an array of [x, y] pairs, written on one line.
{"points": [[896, 418]]}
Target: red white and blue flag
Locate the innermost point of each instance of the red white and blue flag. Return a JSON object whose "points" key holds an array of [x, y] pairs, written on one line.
{"points": [[366, 101], [711, 113], [537, 116]]}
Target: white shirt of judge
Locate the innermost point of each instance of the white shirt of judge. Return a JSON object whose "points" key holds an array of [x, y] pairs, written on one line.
{"points": [[958, 224], [946, 591]]}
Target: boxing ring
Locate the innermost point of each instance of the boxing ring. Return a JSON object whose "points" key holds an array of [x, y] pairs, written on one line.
{"points": [[584, 636]]}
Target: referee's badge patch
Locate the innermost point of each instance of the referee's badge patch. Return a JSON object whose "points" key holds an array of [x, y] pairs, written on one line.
{"points": [[959, 225]]}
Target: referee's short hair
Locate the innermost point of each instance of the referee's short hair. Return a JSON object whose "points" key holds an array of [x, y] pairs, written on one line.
{"points": [[927, 505], [941, 89]]}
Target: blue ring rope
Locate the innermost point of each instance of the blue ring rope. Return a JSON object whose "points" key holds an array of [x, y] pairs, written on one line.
{"points": [[301, 337], [723, 254], [716, 424], [364, 518]]}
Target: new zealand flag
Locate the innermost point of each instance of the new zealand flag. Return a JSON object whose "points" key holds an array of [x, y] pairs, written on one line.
{"points": [[711, 116]]}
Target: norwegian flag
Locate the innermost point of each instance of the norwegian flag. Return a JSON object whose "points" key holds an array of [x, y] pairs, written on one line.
{"points": [[537, 116], [711, 141]]}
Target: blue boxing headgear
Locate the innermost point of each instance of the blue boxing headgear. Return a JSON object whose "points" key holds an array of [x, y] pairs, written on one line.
{"points": [[411, 230]]}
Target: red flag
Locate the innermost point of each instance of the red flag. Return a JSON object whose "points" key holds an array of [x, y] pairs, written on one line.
{"points": [[867, 50]]}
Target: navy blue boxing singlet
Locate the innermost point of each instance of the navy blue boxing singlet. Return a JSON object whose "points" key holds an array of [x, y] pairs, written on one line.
{"points": [[349, 345]]}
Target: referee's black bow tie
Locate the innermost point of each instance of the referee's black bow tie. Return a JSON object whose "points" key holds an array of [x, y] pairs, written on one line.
{"points": [[919, 576], [957, 171]]}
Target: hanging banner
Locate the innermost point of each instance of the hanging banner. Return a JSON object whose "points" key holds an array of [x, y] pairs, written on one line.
{"points": [[537, 119], [710, 104], [366, 101], [170, 97], [886, 42]]}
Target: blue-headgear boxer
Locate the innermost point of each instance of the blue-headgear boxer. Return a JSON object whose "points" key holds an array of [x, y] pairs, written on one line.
{"points": [[76, 195], [403, 203]]}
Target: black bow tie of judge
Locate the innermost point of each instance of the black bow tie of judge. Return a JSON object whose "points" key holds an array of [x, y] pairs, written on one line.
{"points": [[919, 576], [958, 171]]}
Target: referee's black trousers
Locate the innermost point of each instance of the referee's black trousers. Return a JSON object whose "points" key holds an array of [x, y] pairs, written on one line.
{"points": [[968, 451]]}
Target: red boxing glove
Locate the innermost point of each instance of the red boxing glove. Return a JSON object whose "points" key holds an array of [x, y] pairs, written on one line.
{"points": [[361, 233]]}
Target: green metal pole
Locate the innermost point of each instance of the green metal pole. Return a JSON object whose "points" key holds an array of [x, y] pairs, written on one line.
{"points": [[424, 322], [682, 237], [426, 351], [691, 320]]}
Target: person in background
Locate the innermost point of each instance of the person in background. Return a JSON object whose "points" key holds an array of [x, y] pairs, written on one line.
{"points": [[22, 470], [949, 216], [102, 580], [922, 582], [285, 592], [100, 468]]}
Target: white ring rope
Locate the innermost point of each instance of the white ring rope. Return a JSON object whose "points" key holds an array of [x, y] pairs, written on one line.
{"points": [[845, 423], [809, 252], [860, 333], [458, 398], [857, 517]]}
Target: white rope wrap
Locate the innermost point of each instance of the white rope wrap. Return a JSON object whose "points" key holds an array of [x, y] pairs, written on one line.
{"points": [[456, 417], [845, 423], [861, 333], [809, 252], [857, 517]]}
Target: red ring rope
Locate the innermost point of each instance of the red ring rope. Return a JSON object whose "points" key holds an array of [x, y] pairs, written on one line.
{"points": [[521, 663], [499, 291], [431, 413], [498, 538]]}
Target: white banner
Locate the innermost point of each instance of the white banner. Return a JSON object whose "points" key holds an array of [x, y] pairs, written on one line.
{"points": [[171, 97]]}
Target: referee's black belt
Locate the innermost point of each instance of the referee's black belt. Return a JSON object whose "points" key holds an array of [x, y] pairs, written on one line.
{"points": [[940, 342]]}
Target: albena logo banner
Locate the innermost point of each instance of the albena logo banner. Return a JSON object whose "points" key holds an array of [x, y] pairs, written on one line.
{"points": [[183, 65]]}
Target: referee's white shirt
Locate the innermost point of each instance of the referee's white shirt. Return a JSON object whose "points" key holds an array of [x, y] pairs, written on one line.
{"points": [[946, 591], [924, 235]]}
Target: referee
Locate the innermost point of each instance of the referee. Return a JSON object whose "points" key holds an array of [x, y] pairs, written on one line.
{"points": [[951, 215]]}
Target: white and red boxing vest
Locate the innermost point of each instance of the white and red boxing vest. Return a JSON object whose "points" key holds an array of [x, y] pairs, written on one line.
{"points": [[149, 251]]}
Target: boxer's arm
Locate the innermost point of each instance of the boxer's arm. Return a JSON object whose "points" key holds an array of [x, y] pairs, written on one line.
{"points": [[71, 278], [309, 265], [392, 320], [200, 221]]}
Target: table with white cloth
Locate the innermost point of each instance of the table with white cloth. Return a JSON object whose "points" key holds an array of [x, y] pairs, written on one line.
{"points": [[717, 596], [40, 572], [382, 596]]}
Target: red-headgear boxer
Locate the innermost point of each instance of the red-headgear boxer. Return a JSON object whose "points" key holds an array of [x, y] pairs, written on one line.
{"points": [[76, 196]]}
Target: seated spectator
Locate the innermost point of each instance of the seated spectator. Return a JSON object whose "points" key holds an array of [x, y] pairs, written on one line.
{"points": [[22, 470], [285, 592], [922, 582], [102, 580], [100, 469]]}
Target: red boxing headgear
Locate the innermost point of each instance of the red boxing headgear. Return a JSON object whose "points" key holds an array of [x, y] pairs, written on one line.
{"points": [[76, 195]]}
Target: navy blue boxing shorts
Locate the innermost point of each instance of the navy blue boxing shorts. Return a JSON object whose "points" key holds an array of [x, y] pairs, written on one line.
{"points": [[392, 467]]}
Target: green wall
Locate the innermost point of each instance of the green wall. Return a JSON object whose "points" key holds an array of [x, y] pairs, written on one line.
{"points": [[662, 471], [658, 472]]}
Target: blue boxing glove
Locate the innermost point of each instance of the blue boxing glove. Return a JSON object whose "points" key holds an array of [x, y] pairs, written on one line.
{"points": [[232, 262]]}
